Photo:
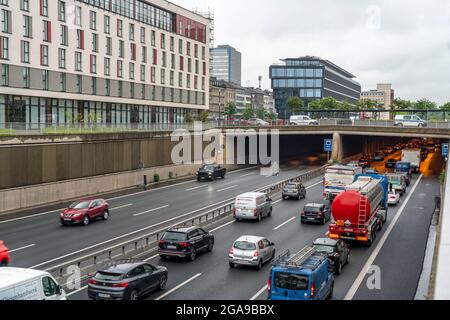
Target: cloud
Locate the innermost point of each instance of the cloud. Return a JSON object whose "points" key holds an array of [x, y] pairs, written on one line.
{"points": [[402, 42]]}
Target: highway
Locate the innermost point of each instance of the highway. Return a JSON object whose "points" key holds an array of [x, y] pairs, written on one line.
{"points": [[398, 251]]}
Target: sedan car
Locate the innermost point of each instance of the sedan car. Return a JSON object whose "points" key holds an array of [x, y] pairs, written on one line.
{"points": [[390, 164], [84, 211], [251, 251], [393, 198], [4, 255], [257, 122], [127, 280], [294, 190], [315, 212], [185, 243], [338, 252]]}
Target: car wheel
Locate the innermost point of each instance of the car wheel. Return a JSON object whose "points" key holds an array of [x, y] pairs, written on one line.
{"points": [[63, 223], [86, 220], [163, 257], [259, 217], [193, 254], [323, 221], [338, 268], [270, 213], [210, 245], [260, 264], [298, 197], [105, 215], [348, 258], [3, 263], [237, 219], [232, 265], [134, 295], [273, 255], [198, 179], [163, 282]]}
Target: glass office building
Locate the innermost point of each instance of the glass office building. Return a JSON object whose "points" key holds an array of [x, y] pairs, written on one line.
{"points": [[226, 64], [311, 78]]}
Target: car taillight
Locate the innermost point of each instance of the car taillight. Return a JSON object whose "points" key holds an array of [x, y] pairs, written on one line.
{"points": [[183, 244], [269, 282], [120, 285], [255, 212], [234, 211], [92, 281], [312, 289], [161, 242]]}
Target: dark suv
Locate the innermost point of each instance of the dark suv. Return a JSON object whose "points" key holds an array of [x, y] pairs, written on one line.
{"points": [[210, 172], [337, 251], [294, 190], [315, 212], [126, 280], [185, 243]]}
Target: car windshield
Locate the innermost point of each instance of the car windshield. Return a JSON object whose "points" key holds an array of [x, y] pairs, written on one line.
{"points": [[394, 179], [79, 205], [107, 276], [291, 281], [208, 168], [174, 236], [324, 248], [312, 209], [244, 245]]}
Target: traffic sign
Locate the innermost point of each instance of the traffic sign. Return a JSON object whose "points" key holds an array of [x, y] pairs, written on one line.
{"points": [[328, 145], [445, 149]]}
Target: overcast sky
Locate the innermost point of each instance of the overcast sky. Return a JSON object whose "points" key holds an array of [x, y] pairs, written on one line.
{"points": [[403, 42]]}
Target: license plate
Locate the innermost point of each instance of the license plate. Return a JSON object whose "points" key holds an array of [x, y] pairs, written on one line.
{"points": [[171, 247], [104, 295], [348, 230], [347, 238], [67, 219], [311, 219]]}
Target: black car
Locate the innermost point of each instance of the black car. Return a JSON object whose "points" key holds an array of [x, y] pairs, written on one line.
{"points": [[127, 280], [390, 164], [315, 212], [377, 157], [337, 251], [294, 190], [185, 243], [210, 172]]}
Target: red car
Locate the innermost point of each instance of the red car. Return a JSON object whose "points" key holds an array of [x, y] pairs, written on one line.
{"points": [[4, 255], [84, 211]]}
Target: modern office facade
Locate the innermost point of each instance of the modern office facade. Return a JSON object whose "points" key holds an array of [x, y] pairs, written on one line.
{"points": [[108, 61], [226, 64], [311, 78]]}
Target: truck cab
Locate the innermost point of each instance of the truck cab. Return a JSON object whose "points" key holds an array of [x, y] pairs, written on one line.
{"points": [[404, 168], [301, 276]]}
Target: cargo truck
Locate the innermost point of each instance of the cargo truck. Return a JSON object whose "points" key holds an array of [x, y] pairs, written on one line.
{"points": [[413, 157], [337, 178]]}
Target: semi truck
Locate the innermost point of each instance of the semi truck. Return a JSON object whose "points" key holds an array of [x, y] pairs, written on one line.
{"points": [[412, 156], [337, 178], [360, 211]]}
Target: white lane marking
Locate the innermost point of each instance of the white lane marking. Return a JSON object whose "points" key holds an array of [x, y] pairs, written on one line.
{"points": [[152, 257], [121, 207], [22, 248], [148, 211], [247, 174], [227, 188], [222, 226], [195, 188], [284, 223], [178, 286], [76, 291], [260, 292], [34, 215], [275, 202], [354, 288]]}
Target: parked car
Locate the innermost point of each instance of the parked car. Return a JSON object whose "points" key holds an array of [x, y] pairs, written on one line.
{"points": [[210, 172], [301, 276], [409, 121], [294, 190], [315, 212], [390, 164], [257, 122], [393, 198], [84, 211], [127, 280], [185, 243], [251, 251], [5, 259], [302, 120], [252, 206], [338, 252]]}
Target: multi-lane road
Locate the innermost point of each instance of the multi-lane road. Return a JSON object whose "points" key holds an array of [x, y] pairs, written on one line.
{"points": [[39, 241]]}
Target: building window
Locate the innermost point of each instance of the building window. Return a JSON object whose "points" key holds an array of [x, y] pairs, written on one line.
{"points": [[172, 44], [133, 51], [180, 79], [25, 51], [131, 32], [144, 54], [196, 51], [107, 24], [163, 41], [163, 76], [153, 38], [44, 8], [6, 21], [45, 79], [120, 88], [172, 78], [62, 81], [26, 77], [93, 20], [94, 85], [78, 16], [107, 70], [155, 57], [196, 67], [180, 46], [62, 58], [109, 46], [188, 81], [188, 49], [107, 87], [131, 67], [204, 68], [172, 61], [189, 65], [5, 75], [195, 82], [203, 83], [142, 35], [153, 75], [47, 31], [44, 55], [95, 42], [78, 61], [132, 90], [25, 5], [79, 83], [164, 59], [203, 53], [119, 68], [27, 27], [142, 72], [121, 49], [80, 39], [119, 28], [181, 63], [93, 62], [64, 39], [62, 11]]}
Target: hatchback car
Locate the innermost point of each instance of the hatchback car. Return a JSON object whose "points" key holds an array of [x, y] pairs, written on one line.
{"points": [[127, 280], [338, 252], [84, 211], [294, 190], [315, 212], [251, 251], [4, 255], [393, 198], [185, 243]]}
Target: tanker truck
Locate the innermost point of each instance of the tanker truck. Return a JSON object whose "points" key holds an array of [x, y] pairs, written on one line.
{"points": [[360, 211]]}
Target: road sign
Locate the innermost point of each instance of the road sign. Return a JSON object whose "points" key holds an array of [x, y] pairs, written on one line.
{"points": [[328, 145], [445, 149]]}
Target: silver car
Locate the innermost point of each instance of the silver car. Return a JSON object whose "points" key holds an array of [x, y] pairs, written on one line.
{"points": [[251, 251]]}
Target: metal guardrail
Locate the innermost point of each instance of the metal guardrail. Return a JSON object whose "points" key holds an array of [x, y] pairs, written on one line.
{"points": [[148, 243]]}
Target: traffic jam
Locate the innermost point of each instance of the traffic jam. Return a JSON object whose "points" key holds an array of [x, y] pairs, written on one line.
{"points": [[356, 201]]}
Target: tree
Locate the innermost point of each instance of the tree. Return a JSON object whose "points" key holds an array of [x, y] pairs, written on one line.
{"points": [[203, 117], [446, 107], [425, 104], [260, 112], [367, 105], [400, 104], [329, 103], [272, 115], [314, 105], [189, 118], [248, 112], [295, 105], [230, 109], [345, 106]]}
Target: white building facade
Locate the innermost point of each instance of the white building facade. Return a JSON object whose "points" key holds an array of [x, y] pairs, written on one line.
{"points": [[109, 61]]}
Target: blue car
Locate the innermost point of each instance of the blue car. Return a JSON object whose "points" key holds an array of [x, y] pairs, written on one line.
{"points": [[301, 276]]}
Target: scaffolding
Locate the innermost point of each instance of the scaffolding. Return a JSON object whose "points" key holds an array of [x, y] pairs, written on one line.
{"points": [[210, 16]]}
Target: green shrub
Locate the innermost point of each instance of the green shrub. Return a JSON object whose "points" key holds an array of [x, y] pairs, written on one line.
{"points": [[156, 177], [170, 174]]}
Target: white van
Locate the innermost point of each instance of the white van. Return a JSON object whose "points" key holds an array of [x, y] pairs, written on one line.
{"points": [[29, 284], [302, 121], [409, 121], [252, 206]]}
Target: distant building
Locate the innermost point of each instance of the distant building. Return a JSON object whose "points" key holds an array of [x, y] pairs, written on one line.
{"points": [[226, 64], [311, 78], [221, 93], [384, 95], [261, 98]]}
